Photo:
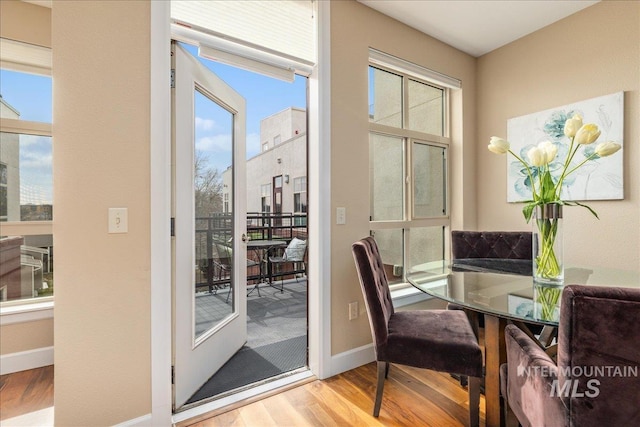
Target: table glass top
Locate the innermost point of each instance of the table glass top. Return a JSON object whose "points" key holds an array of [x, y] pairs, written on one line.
{"points": [[502, 294]]}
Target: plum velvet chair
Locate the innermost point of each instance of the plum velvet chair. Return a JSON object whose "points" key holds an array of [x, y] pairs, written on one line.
{"points": [[441, 340], [598, 329], [509, 251]]}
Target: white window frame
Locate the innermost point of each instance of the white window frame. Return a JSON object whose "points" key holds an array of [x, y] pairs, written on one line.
{"points": [[265, 195], [16, 310], [6, 187], [408, 71], [303, 189]]}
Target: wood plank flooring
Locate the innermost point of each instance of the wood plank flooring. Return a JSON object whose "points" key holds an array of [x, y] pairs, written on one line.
{"points": [[412, 397], [26, 392]]}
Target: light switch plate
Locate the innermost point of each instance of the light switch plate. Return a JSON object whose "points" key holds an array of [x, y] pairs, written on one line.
{"points": [[341, 216], [118, 221]]}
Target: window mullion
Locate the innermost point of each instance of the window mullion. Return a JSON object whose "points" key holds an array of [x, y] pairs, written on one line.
{"points": [[405, 102], [407, 133]]}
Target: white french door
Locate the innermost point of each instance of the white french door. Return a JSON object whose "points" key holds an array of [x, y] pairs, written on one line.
{"points": [[209, 207]]}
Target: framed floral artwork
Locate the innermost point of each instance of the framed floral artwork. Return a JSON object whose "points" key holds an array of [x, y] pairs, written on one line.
{"points": [[599, 178]]}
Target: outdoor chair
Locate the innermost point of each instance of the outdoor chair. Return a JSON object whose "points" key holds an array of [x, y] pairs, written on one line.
{"points": [[440, 340], [595, 379], [294, 254], [216, 269], [222, 267]]}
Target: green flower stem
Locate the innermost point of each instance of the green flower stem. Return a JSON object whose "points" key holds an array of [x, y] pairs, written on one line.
{"points": [[548, 298], [547, 265], [582, 163], [567, 161], [533, 185]]}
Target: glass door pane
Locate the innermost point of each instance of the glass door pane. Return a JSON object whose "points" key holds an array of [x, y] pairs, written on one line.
{"points": [[213, 222]]}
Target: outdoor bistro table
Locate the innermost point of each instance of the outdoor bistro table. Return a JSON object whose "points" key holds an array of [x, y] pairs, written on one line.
{"points": [[262, 248], [501, 297]]}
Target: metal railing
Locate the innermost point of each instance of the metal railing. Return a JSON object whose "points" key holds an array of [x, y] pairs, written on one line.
{"points": [[214, 234]]}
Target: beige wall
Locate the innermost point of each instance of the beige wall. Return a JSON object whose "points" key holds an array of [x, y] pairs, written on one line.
{"points": [[25, 22], [355, 28], [101, 71], [18, 337], [592, 53]]}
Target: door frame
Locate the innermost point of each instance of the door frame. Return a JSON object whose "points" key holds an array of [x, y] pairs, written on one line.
{"points": [[319, 143]]}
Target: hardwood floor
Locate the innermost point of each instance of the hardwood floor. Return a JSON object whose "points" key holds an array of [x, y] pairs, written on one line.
{"points": [[412, 397], [27, 392]]}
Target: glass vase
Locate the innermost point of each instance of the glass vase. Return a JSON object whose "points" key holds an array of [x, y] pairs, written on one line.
{"points": [[546, 301], [548, 262]]}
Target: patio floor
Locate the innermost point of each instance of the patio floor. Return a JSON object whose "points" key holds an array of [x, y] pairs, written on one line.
{"points": [[277, 335]]}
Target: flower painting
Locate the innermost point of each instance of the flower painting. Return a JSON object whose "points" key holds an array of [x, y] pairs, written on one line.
{"points": [[600, 175]]}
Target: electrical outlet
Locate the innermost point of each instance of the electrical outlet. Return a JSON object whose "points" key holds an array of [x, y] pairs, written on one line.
{"points": [[353, 310]]}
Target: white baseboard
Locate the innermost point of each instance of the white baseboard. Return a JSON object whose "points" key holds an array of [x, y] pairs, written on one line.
{"points": [[23, 360], [143, 421], [352, 359]]}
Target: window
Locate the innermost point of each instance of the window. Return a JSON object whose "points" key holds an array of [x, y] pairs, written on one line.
{"points": [[300, 194], [265, 146], [3, 192], [265, 194], [26, 178], [276, 140], [408, 164]]}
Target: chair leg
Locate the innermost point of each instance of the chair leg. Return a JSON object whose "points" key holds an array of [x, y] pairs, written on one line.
{"points": [[474, 401], [228, 294], [383, 368], [386, 370], [509, 416]]}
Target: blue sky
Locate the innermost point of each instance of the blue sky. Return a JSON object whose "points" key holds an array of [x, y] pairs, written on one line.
{"points": [[31, 95], [264, 95]]}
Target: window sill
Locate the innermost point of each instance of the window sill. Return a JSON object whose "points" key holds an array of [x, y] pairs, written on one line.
{"points": [[27, 312], [405, 294]]}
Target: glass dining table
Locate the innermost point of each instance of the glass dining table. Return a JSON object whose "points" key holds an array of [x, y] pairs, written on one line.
{"points": [[502, 292]]}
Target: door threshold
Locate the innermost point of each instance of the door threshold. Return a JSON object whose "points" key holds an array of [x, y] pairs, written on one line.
{"points": [[240, 397]]}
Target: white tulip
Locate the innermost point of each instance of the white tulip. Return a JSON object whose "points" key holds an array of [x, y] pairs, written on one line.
{"points": [[537, 156], [587, 134], [572, 125], [498, 145], [605, 149], [550, 150]]}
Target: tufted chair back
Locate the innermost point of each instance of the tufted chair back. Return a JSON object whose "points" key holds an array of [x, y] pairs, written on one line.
{"points": [[599, 328], [375, 287], [595, 380], [491, 244]]}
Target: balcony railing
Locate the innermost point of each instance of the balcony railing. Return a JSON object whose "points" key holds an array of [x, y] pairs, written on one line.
{"points": [[213, 244]]}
